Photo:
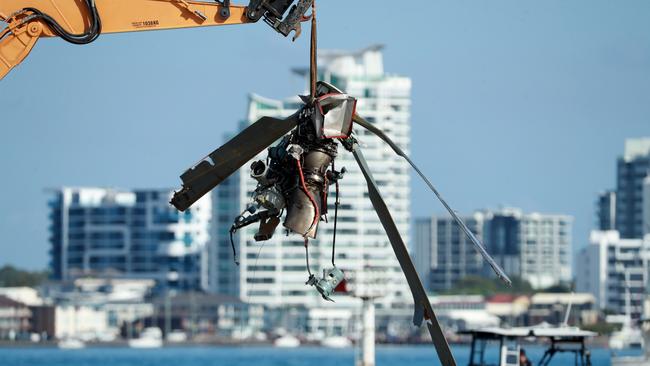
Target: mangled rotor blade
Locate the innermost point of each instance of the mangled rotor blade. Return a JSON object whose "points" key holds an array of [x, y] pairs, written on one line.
{"points": [[423, 307], [221, 163], [477, 244]]}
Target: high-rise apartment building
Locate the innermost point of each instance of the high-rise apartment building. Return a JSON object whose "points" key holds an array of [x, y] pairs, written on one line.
{"points": [[610, 264], [646, 206], [129, 234], [503, 239], [534, 247], [606, 211], [443, 254], [632, 170], [274, 272]]}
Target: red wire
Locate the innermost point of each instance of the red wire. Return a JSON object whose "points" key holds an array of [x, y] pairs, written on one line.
{"points": [[311, 198]]}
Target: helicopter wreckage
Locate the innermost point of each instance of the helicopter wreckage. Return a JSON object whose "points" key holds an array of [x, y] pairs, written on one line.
{"points": [[294, 182]]}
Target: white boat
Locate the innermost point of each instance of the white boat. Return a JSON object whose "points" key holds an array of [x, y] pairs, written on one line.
{"points": [[628, 336], [71, 343], [149, 338], [287, 341], [630, 361], [336, 342], [625, 338], [643, 360], [177, 336]]}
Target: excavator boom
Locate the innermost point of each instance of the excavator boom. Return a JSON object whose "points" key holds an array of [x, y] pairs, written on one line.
{"points": [[74, 16]]}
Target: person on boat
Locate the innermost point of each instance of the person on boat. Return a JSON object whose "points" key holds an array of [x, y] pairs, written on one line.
{"points": [[523, 359]]}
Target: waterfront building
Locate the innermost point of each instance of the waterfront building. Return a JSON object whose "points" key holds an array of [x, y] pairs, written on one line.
{"points": [[207, 315], [14, 319], [274, 272], [511, 309], [462, 312], [535, 247], [26, 295], [632, 169], [609, 265], [129, 234], [93, 308], [84, 322], [552, 308]]}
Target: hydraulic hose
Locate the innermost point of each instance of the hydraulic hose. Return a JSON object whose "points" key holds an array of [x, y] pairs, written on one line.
{"points": [[93, 32]]}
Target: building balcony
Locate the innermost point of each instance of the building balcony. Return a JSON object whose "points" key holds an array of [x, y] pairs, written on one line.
{"points": [[174, 249]]}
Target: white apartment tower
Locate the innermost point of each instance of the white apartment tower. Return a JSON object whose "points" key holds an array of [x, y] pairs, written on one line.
{"points": [[609, 265], [546, 252], [274, 272]]}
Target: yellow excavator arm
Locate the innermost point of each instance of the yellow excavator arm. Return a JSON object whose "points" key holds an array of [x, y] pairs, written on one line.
{"points": [[80, 21]]}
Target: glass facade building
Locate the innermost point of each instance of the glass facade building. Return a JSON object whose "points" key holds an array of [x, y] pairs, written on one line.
{"points": [[443, 253], [606, 211], [128, 234], [632, 169]]}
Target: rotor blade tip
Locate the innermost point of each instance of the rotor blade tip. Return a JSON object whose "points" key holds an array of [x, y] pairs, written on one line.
{"points": [[506, 280]]}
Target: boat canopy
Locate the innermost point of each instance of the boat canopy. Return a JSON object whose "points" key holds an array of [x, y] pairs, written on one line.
{"points": [[562, 339], [525, 332]]}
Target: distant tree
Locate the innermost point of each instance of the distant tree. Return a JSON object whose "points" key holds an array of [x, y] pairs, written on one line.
{"points": [[608, 311], [602, 328], [520, 286], [559, 288], [476, 285], [13, 277], [472, 285]]}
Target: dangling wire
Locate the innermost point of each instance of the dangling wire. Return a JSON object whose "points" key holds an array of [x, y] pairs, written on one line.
{"points": [[232, 243], [307, 257], [253, 276], [337, 202]]}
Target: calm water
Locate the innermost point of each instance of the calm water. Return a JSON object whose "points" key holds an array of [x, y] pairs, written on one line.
{"points": [[247, 356]]}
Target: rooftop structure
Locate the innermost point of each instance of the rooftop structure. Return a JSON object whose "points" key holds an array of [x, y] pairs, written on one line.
{"points": [[14, 319], [26, 295], [553, 308], [636, 148]]}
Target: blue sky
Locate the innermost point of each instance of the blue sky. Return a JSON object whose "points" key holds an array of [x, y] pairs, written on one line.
{"points": [[519, 103]]}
